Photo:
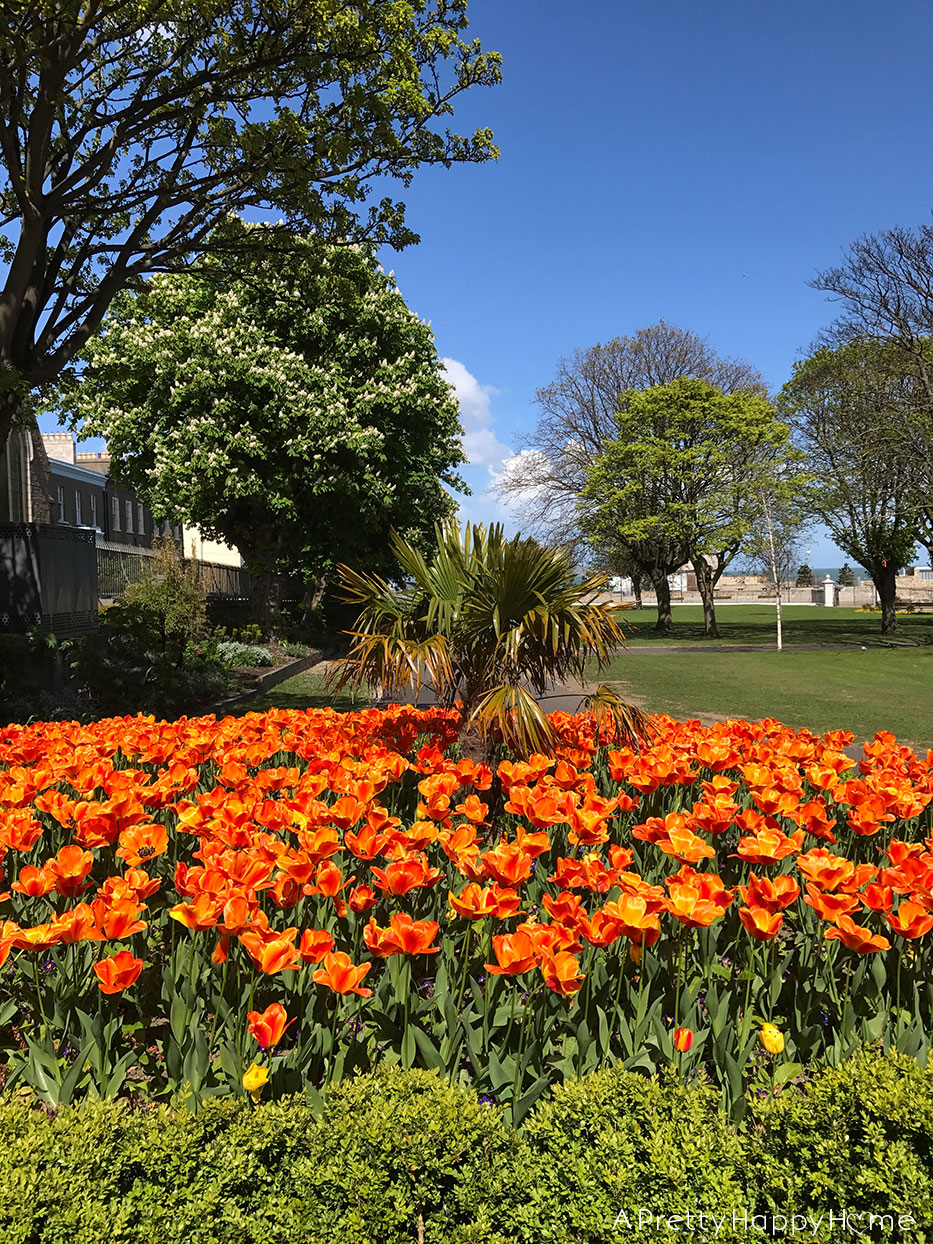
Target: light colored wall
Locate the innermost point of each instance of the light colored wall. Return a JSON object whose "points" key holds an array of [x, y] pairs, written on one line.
{"points": [[197, 545]]}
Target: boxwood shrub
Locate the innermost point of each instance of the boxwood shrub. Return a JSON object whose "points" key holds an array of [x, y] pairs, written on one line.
{"points": [[405, 1157]]}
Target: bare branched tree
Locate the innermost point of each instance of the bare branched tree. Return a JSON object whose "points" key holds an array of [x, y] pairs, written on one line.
{"points": [[884, 286], [542, 484]]}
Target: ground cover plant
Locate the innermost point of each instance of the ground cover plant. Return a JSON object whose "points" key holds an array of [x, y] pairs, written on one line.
{"points": [[266, 904]]}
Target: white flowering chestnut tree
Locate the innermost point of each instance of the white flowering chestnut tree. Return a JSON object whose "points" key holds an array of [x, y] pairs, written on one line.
{"points": [[295, 408]]}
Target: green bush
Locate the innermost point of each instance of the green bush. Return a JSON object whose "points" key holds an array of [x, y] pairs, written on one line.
{"points": [[606, 1151], [858, 1136], [389, 1151], [124, 669], [235, 655], [402, 1157]]}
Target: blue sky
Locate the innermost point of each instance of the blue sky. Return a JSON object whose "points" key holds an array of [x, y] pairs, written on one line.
{"points": [[652, 155]]}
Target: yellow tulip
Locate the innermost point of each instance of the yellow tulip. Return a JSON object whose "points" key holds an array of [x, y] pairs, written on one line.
{"points": [[254, 1079], [771, 1038]]}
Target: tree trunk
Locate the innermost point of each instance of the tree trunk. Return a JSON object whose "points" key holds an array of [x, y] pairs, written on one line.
{"points": [[11, 407], [266, 601], [885, 581], [636, 590], [662, 588], [314, 594], [704, 573]]}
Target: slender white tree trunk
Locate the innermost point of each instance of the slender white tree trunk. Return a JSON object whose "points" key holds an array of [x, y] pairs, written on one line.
{"points": [[774, 571]]}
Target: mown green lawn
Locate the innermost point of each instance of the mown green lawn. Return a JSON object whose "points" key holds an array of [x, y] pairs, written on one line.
{"points": [[307, 690], [754, 624], [861, 691]]}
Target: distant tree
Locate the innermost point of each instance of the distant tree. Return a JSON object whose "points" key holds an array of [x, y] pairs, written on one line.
{"points": [[682, 474], [626, 567], [295, 410], [543, 482], [846, 576], [840, 402], [884, 286], [131, 129], [772, 543], [804, 576]]}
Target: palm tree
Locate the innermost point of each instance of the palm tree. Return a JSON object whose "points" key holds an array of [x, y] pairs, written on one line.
{"points": [[490, 623]]}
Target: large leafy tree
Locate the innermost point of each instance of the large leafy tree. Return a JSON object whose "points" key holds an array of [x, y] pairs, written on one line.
{"points": [[295, 409], [843, 403], [577, 416], [488, 622], [129, 129], [681, 480]]}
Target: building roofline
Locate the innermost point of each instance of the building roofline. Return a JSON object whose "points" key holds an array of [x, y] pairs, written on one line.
{"points": [[82, 474]]}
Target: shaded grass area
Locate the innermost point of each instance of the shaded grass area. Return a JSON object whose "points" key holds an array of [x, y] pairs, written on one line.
{"points": [[306, 690], [861, 691], [755, 624]]}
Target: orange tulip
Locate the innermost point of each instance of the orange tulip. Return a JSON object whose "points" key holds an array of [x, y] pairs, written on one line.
{"points": [[69, 868], [910, 920], [361, 898], [407, 874], [314, 945], [829, 906], [515, 954], [119, 919], [602, 930], [277, 955], [687, 905], [825, 869], [855, 937], [118, 973], [142, 842], [561, 973], [683, 1039], [508, 864], [474, 902], [342, 976], [761, 923], [769, 846], [34, 882], [771, 893], [268, 1026]]}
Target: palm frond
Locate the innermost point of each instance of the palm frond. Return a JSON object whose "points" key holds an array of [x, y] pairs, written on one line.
{"points": [[522, 721], [631, 724]]}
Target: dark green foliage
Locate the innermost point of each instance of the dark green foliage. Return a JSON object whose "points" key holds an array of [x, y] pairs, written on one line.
{"points": [[403, 1156], [122, 669]]}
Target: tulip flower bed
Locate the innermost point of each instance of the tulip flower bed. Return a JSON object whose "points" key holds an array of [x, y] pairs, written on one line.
{"points": [[267, 904]]}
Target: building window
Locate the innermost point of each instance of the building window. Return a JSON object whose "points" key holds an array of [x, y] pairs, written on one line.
{"points": [[129, 517], [93, 509], [116, 513], [79, 513], [140, 519], [61, 504], [924, 573]]}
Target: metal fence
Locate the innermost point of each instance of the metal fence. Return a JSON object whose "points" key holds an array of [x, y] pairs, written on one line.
{"points": [[119, 566], [48, 579]]}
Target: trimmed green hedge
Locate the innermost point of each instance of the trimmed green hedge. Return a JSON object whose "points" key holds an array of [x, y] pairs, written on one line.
{"points": [[403, 1156]]}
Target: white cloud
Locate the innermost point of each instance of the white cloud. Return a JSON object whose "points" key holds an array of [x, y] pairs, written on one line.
{"points": [[480, 443]]}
